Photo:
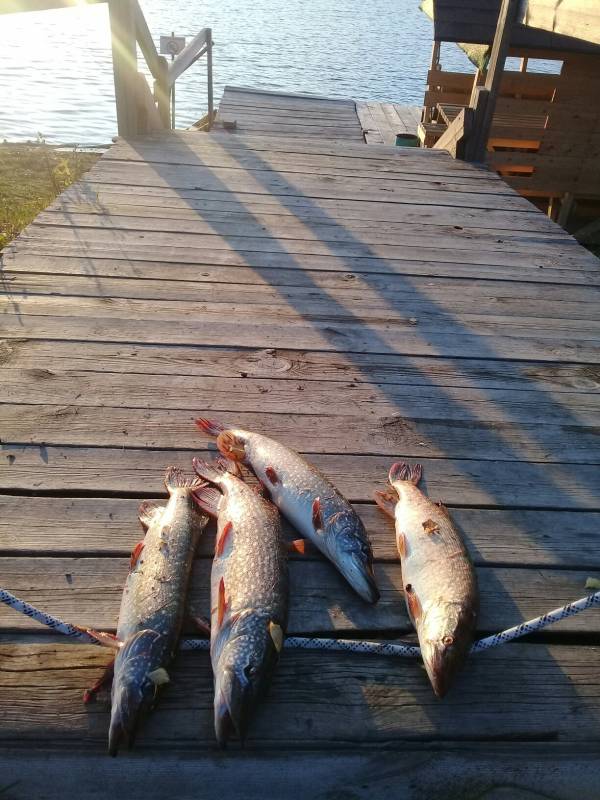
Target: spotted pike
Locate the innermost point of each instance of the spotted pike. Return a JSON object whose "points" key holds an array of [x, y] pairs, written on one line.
{"points": [[153, 603], [440, 586], [309, 501], [249, 596]]}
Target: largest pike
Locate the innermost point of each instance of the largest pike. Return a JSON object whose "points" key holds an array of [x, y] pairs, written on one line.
{"points": [[440, 586], [310, 502], [249, 596], [153, 602]]}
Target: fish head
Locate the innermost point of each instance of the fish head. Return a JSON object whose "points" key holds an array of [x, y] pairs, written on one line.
{"points": [[134, 687], [232, 445], [246, 660], [445, 636], [348, 546]]}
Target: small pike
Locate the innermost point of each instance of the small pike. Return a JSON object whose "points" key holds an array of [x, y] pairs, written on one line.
{"points": [[249, 596], [440, 586], [309, 501], [153, 603]]}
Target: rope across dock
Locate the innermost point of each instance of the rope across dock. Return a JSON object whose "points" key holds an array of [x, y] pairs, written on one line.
{"points": [[316, 643]]}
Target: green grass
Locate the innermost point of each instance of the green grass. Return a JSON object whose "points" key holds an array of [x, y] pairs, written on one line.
{"points": [[31, 176]]}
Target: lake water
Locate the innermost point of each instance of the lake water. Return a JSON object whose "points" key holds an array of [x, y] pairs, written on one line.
{"points": [[56, 70]]}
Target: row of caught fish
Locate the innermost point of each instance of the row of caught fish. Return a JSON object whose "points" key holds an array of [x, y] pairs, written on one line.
{"points": [[249, 581]]}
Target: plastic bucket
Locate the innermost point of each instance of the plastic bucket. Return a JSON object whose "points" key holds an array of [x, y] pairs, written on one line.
{"points": [[407, 140]]}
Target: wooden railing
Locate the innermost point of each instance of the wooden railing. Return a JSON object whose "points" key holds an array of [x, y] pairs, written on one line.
{"points": [[139, 110]]}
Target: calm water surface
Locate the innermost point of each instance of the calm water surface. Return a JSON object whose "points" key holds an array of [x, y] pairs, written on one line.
{"points": [[56, 72]]}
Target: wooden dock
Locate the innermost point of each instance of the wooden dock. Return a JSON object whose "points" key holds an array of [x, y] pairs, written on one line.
{"points": [[258, 112], [362, 304]]}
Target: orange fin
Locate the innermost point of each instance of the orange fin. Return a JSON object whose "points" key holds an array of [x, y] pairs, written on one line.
{"points": [[106, 677], [386, 501], [405, 472], [402, 545], [412, 601], [297, 546], [317, 515], [272, 475], [135, 555], [227, 528], [430, 526], [102, 637], [222, 603]]}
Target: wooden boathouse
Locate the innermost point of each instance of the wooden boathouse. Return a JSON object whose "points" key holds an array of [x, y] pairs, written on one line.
{"points": [[541, 131], [362, 303]]}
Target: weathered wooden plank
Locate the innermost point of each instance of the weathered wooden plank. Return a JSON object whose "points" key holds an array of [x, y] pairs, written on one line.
{"points": [[128, 243], [284, 229], [524, 692], [455, 481], [353, 214], [76, 424], [263, 181], [229, 362], [256, 119], [402, 297], [379, 291], [431, 318], [229, 153], [217, 265], [389, 404], [87, 591], [519, 769], [103, 526], [481, 340]]}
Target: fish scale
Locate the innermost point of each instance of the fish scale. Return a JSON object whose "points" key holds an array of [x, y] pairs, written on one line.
{"points": [[308, 500], [153, 603], [440, 585], [249, 596]]}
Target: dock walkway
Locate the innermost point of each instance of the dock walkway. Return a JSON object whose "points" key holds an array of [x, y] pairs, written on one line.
{"points": [[362, 304]]}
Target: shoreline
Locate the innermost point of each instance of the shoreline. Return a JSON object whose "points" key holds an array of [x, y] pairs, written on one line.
{"points": [[32, 175]]}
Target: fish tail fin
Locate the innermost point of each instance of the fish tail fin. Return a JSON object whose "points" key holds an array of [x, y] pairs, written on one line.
{"points": [[175, 478], [210, 426], [400, 471], [208, 499], [211, 471]]}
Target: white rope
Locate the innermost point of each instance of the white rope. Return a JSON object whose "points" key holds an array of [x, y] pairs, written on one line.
{"points": [[349, 645]]}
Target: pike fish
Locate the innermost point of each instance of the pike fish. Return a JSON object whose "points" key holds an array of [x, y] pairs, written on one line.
{"points": [[152, 605], [308, 500], [249, 596], [440, 586]]}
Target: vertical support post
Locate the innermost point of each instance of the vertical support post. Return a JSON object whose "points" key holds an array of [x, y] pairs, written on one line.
{"points": [[485, 112], [566, 206], [124, 55], [161, 92], [435, 56], [209, 76]]}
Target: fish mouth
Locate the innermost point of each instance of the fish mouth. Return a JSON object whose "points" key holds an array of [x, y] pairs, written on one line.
{"points": [[128, 702], [442, 660], [359, 574], [234, 703], [133, 689]]}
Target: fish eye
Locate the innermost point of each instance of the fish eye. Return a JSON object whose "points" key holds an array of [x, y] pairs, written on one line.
{"points": [[250, 671], [448, 640]]}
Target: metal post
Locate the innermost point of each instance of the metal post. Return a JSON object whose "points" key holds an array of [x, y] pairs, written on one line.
{"points": [[172, 91], [209, 75]]}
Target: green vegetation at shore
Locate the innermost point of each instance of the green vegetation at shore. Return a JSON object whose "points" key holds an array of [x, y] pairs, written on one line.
{"points": [[31, 176]]}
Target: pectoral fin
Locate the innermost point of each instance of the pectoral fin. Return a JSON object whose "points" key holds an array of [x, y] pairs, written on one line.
{"points": [[276, 632]]}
